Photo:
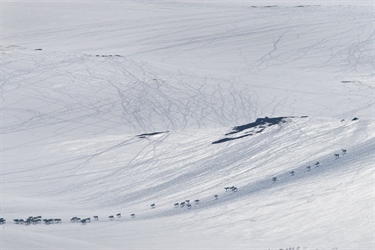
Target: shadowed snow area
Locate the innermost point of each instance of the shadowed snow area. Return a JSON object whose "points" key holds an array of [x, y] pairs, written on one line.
{"points": [[249, 125]]}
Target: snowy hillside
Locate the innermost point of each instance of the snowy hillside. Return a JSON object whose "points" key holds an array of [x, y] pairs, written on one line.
{"points": [[108, 107]]}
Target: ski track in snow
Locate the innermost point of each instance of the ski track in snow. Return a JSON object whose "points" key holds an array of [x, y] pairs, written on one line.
{"points": [[76, 95]]}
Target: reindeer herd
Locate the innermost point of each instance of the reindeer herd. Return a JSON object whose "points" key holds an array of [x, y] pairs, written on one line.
{"points": [[317, 164], [34, 220], [38, 219]]}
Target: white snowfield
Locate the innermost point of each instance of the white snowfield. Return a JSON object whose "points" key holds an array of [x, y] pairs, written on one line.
{"points": [[108, 107]]}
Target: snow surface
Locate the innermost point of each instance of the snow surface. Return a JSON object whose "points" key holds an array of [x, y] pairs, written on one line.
{"points": [[110, 106]]}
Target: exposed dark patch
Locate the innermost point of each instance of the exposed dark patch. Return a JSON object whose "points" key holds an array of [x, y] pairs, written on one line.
{"points": [[261, 122], [302, 6], [255, 127], [267, 6], [38, 49], [355, 118], [229, 139], [347, 81], [150, 134]]}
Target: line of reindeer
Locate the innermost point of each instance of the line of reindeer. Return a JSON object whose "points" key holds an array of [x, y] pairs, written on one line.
{"points": [[185, 203], [96, 217], [317, 164], [36, 220]]}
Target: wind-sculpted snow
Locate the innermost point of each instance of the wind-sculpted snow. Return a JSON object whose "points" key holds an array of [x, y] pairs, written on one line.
{"points": [[109, 94], [196, 66], [105, 175], [108, 107]]}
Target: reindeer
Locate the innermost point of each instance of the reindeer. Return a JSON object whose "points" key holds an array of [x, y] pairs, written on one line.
{"points": [[118, 215], [48, 221], [29, 220], [57, 220], [196, 201], [111, 217], [291, 173], [274, 179], [343, 151], [2, 221], [153, 205], [176, 205], [308, 168], [132, 215], [337, 156], [37, 221], [216, 196], [96, 217]]}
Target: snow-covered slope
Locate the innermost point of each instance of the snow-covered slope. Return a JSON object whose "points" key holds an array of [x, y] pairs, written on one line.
{"points": [[108, 107]]}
